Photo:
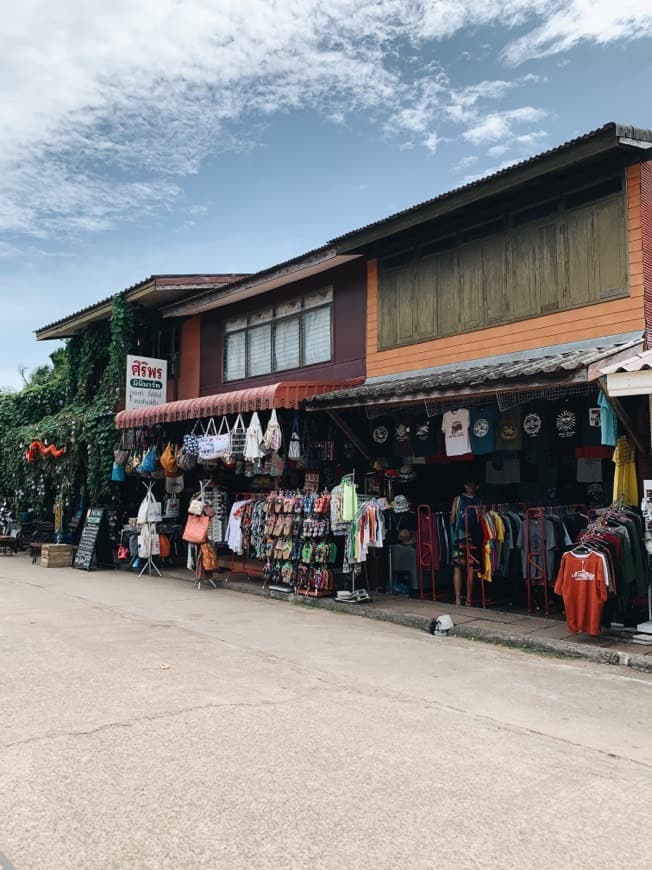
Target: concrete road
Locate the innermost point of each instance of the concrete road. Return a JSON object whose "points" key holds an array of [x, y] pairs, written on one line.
{"points": [[144, 724]]}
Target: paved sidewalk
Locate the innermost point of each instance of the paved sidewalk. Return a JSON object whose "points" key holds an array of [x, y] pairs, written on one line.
{"points": [[547, 635]]}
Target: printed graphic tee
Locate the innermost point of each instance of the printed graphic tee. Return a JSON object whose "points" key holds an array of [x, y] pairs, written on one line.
{"points": [[582, 582], [509, 430], [402, 437], [483, 430], [536, 426], [455, 426], [565, 424], [424, 438], [591, 424]]}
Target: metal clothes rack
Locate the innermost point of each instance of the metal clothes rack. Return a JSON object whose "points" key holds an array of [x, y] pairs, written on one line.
{"points": [[473, 562], [425, 547]]}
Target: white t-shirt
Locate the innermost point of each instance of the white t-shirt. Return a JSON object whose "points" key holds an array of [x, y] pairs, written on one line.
{"points": [[455, 426]]}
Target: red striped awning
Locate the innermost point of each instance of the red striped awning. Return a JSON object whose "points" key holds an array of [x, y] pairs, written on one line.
{"points": [[288, 394]]}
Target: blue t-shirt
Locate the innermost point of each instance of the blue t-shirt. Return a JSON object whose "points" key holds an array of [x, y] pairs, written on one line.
{"points": [[608, 422], [483, 430]]}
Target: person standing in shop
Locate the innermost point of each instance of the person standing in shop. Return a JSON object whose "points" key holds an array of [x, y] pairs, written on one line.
{"points": [[467, 498]]}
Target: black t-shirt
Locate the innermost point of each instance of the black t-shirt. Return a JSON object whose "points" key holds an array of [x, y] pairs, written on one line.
{"points": [[565, 423], [402, 440], [536, 425], [424, 438], [382, 431]]}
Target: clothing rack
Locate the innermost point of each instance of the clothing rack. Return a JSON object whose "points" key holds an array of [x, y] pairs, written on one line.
{"points": [[473, 563], [250, 567], [425, 547], [536, 572]]}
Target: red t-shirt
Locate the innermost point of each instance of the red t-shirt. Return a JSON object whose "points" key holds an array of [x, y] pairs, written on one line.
{"points": [[583, 584]]}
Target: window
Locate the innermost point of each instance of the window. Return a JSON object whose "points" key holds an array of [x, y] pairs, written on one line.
{"points": [[291, 335]]}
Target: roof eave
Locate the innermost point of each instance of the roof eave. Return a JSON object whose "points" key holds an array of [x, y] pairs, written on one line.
{"points": [[261, 282], [611, 138]]}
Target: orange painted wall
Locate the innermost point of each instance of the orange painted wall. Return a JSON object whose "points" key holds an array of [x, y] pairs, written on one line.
{"points": [[190, 360], [592, 321]]}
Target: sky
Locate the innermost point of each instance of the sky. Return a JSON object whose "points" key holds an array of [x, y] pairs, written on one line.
{"points": [[144, 137]]}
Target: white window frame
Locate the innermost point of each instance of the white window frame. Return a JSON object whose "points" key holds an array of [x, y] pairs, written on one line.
{"points": [[292, 309]]}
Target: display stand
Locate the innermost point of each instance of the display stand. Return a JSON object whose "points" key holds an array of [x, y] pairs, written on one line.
{"points": [[150, 566]]}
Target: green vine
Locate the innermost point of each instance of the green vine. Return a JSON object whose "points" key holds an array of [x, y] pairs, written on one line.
{"points": [[73, 405]]}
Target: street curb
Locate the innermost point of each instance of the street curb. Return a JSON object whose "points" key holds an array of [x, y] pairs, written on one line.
{"points": [[562, 648]]}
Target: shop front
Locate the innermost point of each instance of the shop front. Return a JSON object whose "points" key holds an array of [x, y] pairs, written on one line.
{"points": [[244, 482], [504, 477]]}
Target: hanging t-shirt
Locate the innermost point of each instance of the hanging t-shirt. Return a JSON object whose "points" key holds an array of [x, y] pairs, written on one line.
{"points": [[503, 468], [455, 426], [565, 424], [381, 436], [509, 430], [536, 426], [424, 438], [589, 470], [483, 430], [591, 424], [402, 437], [608, 422]]}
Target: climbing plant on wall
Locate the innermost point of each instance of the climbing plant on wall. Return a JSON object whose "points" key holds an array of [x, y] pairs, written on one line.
{"points": [[72, 407]]}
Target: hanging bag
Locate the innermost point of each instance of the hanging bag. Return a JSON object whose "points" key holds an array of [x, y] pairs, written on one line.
{"points": [[144, 543], [118, 473], [223, 439], [254, 448], [273, 437], [121, 454], [148, 462], [191, 440], [169, 459], [186, 461], [238, 437], [196, 530], [174, 484], [171, 507], [294, 450], [196, 506], [215, 444], [149, 510], [208, 557]]}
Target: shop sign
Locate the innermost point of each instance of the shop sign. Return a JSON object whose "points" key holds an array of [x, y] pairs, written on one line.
{"points": [[147, 381]]}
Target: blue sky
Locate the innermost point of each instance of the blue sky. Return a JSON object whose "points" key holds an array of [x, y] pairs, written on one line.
{"points": [[156, 136]]}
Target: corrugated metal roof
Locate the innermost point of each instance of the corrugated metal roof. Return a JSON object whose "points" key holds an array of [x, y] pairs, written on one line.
{"points": [[287, 394], [187, 282], [623, 131], [481, 377], [286, 269], [637, 363]]}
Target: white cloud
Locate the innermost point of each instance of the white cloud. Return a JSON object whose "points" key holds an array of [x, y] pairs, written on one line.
{"points": [[500, 125], [598, 21], [466, 162], [105, 107]]}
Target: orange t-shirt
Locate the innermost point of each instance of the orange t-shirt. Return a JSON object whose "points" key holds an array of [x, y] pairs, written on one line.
{"points": [[582, 582]]}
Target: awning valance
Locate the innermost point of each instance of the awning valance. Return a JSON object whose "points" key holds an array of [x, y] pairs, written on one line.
{"points": [[287, 394]]}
